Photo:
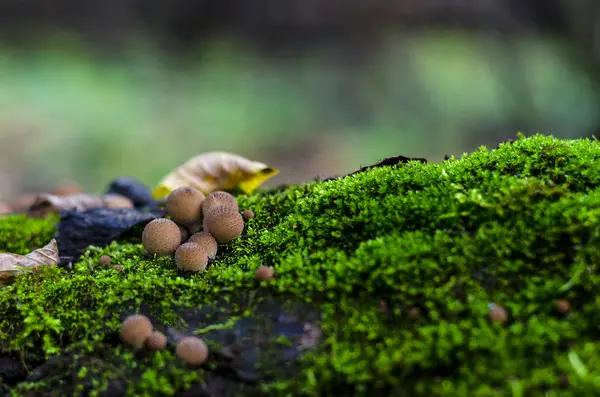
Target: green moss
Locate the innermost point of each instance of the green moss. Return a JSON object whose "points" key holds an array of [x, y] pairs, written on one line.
{"points": [[20, 234], [517, 226]]}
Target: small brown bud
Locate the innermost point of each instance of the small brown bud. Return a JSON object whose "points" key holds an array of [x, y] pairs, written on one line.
{"points": [[414, 312], [563, 306], [247, 215], [104, 260], [497, 313], [264, 273]]}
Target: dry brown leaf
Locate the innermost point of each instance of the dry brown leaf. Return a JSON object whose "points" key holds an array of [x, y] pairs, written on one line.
{"points": [[11, 264], [49, 203], [213, 171]]}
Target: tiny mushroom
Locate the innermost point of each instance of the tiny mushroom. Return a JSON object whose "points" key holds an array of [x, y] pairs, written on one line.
{"points": [[223, 223], [135, 330], [264, 273], [184, 204], [219, 199], [161, 237], [207, 241], [104, 260], [191, 257], [247, 215], [156, 341], [192, 350], [497, 313]]}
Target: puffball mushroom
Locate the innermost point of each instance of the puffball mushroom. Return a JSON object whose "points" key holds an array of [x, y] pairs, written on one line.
{"points": [[223, 223], [135, 330], [184, 205], [192, 350], [219, 199], [191, 257], [207, 241], [156, 341], [247, 215], [161, 237], [264, 273]]}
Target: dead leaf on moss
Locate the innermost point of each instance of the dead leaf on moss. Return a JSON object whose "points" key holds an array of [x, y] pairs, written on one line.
{"points": [[213, 171], [48, 203], [12, 264]]}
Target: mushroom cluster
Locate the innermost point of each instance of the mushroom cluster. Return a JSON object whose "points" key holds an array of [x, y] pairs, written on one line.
{"points": [[137, 331], [218, 215]]}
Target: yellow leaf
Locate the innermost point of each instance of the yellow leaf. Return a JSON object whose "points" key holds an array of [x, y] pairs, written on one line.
{"points": [[212, 171]]}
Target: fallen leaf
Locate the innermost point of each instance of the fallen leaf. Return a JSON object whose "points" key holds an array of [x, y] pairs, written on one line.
{"points": [[213, 171], [11, 264], [48, 203]]}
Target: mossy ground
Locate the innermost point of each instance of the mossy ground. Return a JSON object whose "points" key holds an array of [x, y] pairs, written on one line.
{"points": [[517, 226]]}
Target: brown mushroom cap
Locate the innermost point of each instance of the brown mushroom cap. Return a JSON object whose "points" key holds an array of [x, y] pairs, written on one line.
{"points": [[114, 200], [192, 350], [156, 341], [206, 241], [247, 215], [191, 257], [497, 313], [161, 237], [135, 329], [184, 205], [264, 273], [223, 223], [217, 199], [104, 260]]}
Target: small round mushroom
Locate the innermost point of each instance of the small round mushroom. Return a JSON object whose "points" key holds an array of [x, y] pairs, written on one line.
{"points": [[223, 224], [219, 199], [157, 341], [264, 273], [184, 205], [135, 330], [497, 313], [563, 306], [104, 260], [191, 257], [206, 241], [118, 268], [114, 200], [161, 237], [247, 215], [192, 350]]}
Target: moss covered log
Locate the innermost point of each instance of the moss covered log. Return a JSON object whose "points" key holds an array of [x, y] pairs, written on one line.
{"points": [[398, 267]]}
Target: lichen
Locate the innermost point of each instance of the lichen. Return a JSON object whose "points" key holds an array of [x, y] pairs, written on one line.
{"points": [[517, 226]]}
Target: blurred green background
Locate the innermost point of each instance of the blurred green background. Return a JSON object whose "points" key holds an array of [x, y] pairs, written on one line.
{"points": [[311, 101]]}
